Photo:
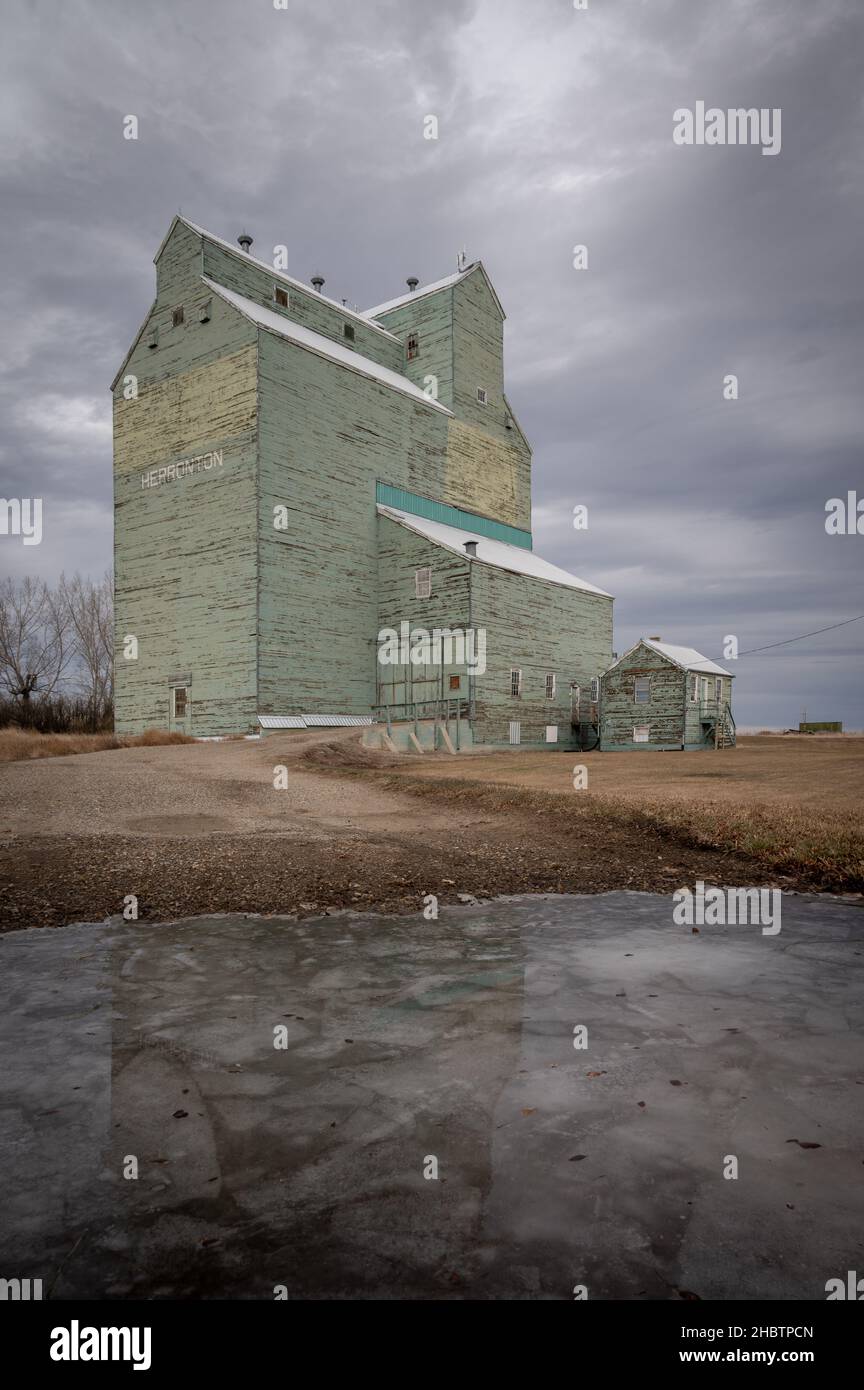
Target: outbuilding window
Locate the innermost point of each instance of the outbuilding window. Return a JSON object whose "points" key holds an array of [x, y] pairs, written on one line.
{"points": [[515, 682], [641, 689], [413, 346], [550, 685], [423, 582]]}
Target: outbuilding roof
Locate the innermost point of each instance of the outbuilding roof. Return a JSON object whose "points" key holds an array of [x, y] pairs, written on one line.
{"points": [[685, 657], [324, 347], [489, 552]]}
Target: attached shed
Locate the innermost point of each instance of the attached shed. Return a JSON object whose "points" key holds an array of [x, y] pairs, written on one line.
{"points": [[663, 697]]}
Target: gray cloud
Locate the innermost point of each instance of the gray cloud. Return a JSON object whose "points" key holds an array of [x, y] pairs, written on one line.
{"points": [[305, 126]]}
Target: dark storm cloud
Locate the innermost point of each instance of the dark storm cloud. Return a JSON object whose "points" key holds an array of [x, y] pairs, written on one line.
{"points": [[305, 126]]}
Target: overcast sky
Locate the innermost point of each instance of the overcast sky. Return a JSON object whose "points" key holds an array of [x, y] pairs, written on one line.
{"points": [[304, 125]]}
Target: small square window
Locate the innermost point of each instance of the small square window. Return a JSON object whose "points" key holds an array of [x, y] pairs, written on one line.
{"points": [[515, 682], [641, 689], [413, 346], [177, 317], [280, 296], [481, 395], [455, 682], [348, 330], [550, 685], [641, 733], [423, 582]]}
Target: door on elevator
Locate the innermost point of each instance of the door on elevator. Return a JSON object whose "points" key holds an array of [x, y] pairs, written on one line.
{"points": [[180, 709]]}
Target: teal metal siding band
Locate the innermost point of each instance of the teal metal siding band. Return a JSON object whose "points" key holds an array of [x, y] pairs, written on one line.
{"points": [[451, 516]]}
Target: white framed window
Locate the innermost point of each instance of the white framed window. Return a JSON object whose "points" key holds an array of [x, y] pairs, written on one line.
{"points": [[515, 731], [550, 685], [718, 687], [551, 733], [694, 687], [704, 687], [515, 682], [482, 397], [641, 733], [280, 296], [595, 689], [641, 689], [423, 582], [179, 701]]}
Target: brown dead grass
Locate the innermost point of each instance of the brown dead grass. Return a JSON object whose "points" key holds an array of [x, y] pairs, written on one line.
{"points": [[818, 845], [20, 744]]}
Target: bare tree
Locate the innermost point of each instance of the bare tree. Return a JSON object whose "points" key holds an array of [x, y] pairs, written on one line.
{"points": [[34, 650], [88, 607]]}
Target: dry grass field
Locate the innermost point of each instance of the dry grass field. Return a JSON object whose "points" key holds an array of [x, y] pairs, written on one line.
{"points": [[801, 771], [21, 744], [793, 804]]}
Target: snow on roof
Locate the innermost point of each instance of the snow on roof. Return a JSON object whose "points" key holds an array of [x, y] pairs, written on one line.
{"points": [[324, 347], [421, 293], [489, 552], [362, 317], [685, 657]]}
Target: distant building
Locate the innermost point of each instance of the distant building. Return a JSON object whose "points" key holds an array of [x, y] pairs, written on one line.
{"points": [[293, 477], [662, 697]]}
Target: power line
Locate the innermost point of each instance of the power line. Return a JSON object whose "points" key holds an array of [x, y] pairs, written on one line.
{"points": [[768, 648]]}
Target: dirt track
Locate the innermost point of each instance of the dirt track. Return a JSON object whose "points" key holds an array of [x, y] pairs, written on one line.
{"points": [[200, 828]]}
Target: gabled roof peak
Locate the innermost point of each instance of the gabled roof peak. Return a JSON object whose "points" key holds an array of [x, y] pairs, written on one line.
{"points": [[247, 256], [687, 658], [434, 288]]}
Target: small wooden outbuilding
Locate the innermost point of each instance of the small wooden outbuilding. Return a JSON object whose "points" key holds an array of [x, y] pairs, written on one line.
{"points": [[663, 697]]}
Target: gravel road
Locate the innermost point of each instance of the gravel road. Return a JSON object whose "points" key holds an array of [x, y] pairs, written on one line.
{"points": [[201, 828]]}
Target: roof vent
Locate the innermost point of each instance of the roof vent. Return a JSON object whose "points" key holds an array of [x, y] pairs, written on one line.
{"points": [[655, 638], [244, 240], [318, 282], [470, 547], [412, 282]]}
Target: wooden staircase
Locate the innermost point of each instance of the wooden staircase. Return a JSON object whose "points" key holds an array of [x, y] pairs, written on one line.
{"points": [[722, 732]]}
